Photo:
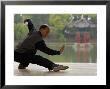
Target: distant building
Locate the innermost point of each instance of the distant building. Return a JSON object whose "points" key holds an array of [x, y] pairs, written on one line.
{"points": [[81, 25]]}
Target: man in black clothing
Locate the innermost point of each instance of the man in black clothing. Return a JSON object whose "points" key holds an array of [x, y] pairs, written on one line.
{"points": [[25, 53]]}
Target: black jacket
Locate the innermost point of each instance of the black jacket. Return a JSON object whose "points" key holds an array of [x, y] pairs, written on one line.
{"points": [[35, 42]]}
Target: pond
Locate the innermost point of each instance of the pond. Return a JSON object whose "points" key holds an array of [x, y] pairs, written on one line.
{"points": [[73, 53]]}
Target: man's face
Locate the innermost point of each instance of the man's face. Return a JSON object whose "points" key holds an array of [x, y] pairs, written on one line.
{"points": [[45, 32]]}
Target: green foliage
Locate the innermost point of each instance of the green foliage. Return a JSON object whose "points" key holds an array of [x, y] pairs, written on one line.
{"points": [[58, 20], [20, 31]]}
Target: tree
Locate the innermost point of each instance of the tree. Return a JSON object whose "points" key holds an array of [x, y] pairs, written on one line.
{"points": [[20, 31], [59, 21]]}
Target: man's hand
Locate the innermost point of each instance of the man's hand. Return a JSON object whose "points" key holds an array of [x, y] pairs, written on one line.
{"points": [[62, 49]]}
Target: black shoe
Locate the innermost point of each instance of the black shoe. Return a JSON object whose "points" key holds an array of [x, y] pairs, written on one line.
{"points": [[21, 66]]}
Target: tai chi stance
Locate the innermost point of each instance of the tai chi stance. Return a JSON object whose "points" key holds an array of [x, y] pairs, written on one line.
{"points": [[25, 52]]}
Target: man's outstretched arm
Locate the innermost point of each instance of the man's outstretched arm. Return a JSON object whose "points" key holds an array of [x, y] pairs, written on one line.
{"points": [[42, 47]]}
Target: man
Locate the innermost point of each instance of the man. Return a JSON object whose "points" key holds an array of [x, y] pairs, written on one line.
{"points": [[25, 53]]}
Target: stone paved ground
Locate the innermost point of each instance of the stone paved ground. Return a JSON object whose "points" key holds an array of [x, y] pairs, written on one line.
{"points": [[75, 69]]}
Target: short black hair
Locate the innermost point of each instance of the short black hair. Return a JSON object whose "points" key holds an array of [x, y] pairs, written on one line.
{"points": [[43, 26]]}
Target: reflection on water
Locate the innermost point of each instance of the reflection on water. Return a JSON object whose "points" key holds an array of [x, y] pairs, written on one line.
{"points": [[77, 52]]}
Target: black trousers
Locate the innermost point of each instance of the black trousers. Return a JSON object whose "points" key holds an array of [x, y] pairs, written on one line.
{"points": [[25, 59]]}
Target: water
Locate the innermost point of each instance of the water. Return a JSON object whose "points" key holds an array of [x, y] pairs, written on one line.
{"points": [[73, 53]]}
